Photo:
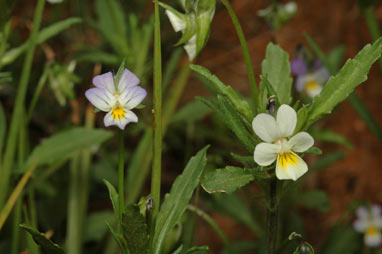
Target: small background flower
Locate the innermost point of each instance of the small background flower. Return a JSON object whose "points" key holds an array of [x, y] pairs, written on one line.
{"points": [[117, 99], [369, 222]]}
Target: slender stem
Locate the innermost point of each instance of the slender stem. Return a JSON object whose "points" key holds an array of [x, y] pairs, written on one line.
{"points": [[15, 229], [272, 218], [247, 56], [157, 152], [19, 105], [121, 173], [37, 92], [213, 224]]}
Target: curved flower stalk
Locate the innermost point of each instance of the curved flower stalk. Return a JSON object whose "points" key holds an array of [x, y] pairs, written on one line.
{"points": [[280, 145], [369, 222], [194, 23], [116, 99], [309, 80]]}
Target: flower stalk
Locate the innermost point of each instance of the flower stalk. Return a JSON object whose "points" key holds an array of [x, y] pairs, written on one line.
{"points": [[121, 173], [272, 218]]}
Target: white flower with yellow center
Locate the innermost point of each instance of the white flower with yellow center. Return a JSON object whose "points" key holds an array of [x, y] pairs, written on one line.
{"points": [[279, 145], [369, 221], [116, 99]]}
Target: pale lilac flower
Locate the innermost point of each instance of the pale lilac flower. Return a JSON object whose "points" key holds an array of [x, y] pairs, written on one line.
{"points": [[309, 80], [116, 99], [280, 144], [369, 222]]}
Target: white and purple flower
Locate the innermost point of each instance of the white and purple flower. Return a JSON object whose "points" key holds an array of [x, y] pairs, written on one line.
{"points": [[116, 99], [309, 80], [369, 222]]}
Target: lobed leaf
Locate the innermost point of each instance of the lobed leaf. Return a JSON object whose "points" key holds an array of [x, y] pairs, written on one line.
{"points": [[175, 203], [226, 179]]}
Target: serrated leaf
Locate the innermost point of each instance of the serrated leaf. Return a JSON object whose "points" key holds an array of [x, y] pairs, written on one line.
{"points": [[338, 88], [135, 230], [239, 104], [64, 144], [175, 203], [45, 243], [277, 69], [314, 199], [114, 197], [226, 180]]}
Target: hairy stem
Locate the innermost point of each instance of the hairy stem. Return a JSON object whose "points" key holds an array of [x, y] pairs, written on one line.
{"points": [[121, 173], [272, 218]]}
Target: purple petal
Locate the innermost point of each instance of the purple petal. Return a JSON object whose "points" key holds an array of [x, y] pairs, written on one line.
{"points": [[100, 98], [132, 96], [128, 79], [105, 81], [298, 66]]}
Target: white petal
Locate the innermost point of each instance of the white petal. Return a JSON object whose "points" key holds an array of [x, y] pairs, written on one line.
{"points": [[132, 96], [286, 120], [376, 211], [301, 142], [177, 23], [128, 79], [100, 98], [373, 240], [313, 91], [190, 48], [360, 225], [121, 123], [300, 82], [321, 75], [105, 81], [265, 154], [266, 128], [293, 169], [362, 212]]}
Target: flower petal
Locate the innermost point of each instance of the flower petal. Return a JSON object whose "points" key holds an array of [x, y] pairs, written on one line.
{"points": [[266, 128], [105, 81], [321, 75], [265, 154], [301, 142], [373, 240], [290, 167], [286, 120], [128, 79], [300, 82], [361, 225], [121, 123], [177, 23], [100, 98], [298, 66], [362, 212], [132, 96]]}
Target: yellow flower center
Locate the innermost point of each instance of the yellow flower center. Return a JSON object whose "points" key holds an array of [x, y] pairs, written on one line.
{"points": [[371, 231], [311, 85], [118, 113], [286, 159]]}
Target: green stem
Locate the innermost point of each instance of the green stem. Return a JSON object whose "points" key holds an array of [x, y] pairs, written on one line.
{"points": [[37, 92], [213, 225], [272, 218], [15, 229], [121, 173], [19, 105], [157, 152], [247, 56]]}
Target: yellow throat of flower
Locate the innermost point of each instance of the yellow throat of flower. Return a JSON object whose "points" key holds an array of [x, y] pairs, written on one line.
{"points": [[311, 85], [371, 231], [118, 113], [286, 159]]}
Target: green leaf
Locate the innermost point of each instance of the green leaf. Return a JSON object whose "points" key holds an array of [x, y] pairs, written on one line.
{"points": [[63, 145], [45, 34], [95, 225], [114, 197], [3, 126], [226, 180], [314, 199], [302, 116], [191, 112], [335, 57], [175, 203], [314, 150], [119, 74], [277, 69], [135, 231], [326, 160], [330, 136], [197, 250], [232, 119], [45, 243], [239, 104], [247, 161], [119, 239], [341, 239], [353, 73]]}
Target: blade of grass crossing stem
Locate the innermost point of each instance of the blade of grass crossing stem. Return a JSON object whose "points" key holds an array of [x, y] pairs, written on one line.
{"points": [[19, 105], [372, 24], [357, 104], [157, 153], [247, 56]]}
